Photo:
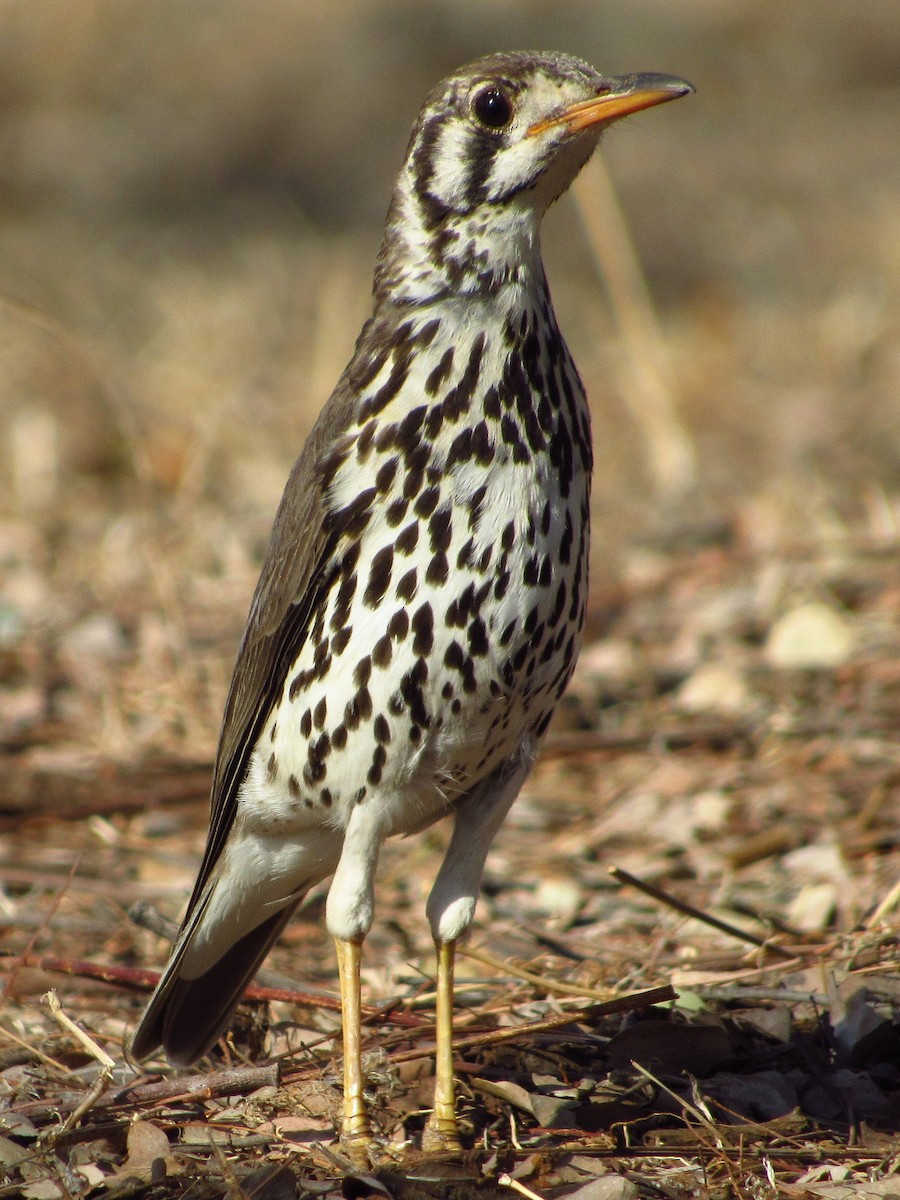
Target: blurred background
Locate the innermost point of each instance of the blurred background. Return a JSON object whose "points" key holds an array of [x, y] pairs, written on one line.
{"points": [[191, 200]]}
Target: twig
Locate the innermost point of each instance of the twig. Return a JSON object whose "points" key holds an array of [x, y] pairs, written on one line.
{"points": [[214, 1085], [549, 985], [106, 1061], [39, 1054], [143, 980], [508, 1181], [78, 1033], [635, 1000], [698, 914], [888, 904]]}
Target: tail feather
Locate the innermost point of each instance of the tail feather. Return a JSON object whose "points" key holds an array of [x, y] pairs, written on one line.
{"points": [[186, 1017]]}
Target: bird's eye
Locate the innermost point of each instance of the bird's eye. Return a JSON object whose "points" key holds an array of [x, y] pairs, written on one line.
{"points": [[492, 107]]}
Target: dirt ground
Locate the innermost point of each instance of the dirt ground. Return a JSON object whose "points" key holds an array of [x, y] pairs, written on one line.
{"points": [[190, 205]]}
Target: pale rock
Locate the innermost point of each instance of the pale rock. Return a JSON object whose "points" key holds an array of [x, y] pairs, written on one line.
{"points": [[812, 908], [605, 1187], [810, 635], [559, 898], [714, 688]]}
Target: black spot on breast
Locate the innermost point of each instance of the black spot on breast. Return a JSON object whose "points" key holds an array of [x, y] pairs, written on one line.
{"points": [[272, 768], [340, 639], [375, 403], [379, 758], [559, 603], [423, 630], [454, 656], [407, 539], [440, 530], [482, 446], [363, 703], [438, 570], [508, 536], [379, 577], [362, 672], [459, 398], [464, 558], [412, 482], [398, 626], [440, 372], [396, 511], [530, 572], [352, 716], [353, 518], [427, 502], [409, 431], [319, 713], [408, 585], [386, 437], [411, 691], [478, 640], [293, 787], [382, 652], [339, 737], [381, 729], [314, 772], [385, 476], [306, 724]]}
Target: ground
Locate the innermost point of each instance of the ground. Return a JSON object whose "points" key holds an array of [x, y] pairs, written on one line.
{"points": [[190, 215]]}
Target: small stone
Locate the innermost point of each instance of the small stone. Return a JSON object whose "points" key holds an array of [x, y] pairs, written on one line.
{"points": [[714, 688], [813, 907], [559, 898], [810, 635]]}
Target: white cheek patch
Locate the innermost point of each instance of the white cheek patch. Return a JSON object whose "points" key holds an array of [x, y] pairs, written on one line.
{"points": [[516, 165], [451, 153]]}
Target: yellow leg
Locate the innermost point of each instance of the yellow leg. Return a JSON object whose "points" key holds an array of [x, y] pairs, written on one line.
{"points": [[356, 1133], [441, 1133]]}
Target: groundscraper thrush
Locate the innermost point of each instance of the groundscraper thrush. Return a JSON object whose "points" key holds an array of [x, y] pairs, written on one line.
{"points": [[421, 604]]}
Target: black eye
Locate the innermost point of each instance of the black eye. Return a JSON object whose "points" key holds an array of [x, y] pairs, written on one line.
{"points": [[492, 107]]}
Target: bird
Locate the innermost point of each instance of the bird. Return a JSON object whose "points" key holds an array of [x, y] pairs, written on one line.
{"points": [[421, 604]]}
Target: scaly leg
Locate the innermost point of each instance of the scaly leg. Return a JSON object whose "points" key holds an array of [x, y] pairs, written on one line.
{"points": [[356, 1133], [441, 1133]]}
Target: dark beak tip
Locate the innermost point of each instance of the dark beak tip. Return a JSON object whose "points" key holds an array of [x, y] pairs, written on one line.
{"points": [[655, 81]]}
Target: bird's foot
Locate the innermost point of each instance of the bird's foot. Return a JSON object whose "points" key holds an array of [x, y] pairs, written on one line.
{"points": [[441, 1135], [358, 1146]]}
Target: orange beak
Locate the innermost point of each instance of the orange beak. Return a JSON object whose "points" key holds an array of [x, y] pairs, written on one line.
{"points": [[626, 94]]}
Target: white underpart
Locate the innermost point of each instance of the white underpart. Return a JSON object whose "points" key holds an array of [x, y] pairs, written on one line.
{"points": [[451, 905], [255, 877]]}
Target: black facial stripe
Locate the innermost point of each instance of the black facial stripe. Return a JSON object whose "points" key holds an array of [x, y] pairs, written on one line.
{"points": [[481, 150]]}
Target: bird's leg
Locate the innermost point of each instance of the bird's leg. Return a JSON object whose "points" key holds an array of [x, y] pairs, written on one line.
{"points": [[356, 1133], [451, 907], [441, 1133]]}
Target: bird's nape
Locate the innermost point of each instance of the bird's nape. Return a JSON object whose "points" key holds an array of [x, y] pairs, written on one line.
{"points": [[421, 604]]}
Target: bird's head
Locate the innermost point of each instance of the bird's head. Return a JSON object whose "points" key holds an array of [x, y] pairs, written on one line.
{"points": [[494, 145]]}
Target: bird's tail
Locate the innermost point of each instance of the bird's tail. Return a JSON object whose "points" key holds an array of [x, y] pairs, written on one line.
{"points": [[187, 1015]]}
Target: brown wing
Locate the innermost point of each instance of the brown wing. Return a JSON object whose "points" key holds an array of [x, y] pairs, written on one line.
{"points": [[296, 569]]}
